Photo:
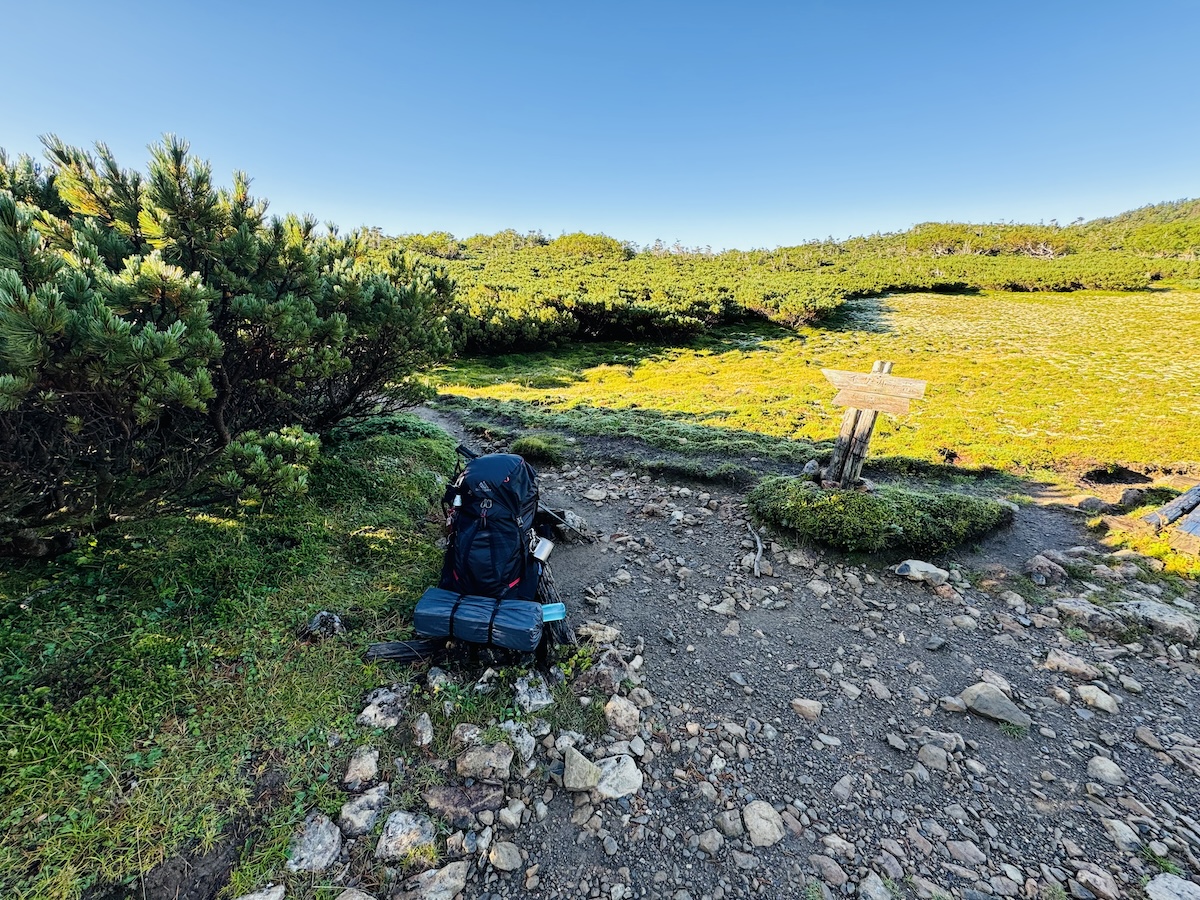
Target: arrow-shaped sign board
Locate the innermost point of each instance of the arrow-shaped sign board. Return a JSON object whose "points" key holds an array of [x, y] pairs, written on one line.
{"points": [[870, 390]]}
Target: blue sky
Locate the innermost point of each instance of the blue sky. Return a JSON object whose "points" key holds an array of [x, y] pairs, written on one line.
{"points": [[730, 125]]}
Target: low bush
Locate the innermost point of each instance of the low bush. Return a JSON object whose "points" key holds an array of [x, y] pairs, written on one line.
{"points": [[888, 519]]}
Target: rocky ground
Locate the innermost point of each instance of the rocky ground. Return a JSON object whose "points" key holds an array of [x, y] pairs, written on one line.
{"points": [[1019, 721]]}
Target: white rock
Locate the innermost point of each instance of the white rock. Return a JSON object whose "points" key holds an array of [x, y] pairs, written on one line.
{"points": [[505, 856], [316, 846], [423, 730], [1171, 887], [362, 769], [916, 570], [595, 494], [621, 715], [619, 777], [404, 833], [272, 893], [445, 883], [359, 815], [1107, 771], [533, 694], [1097, 697], [1166, 621], [579, 773], [1061, 661], [807, 709], [763, 824]]}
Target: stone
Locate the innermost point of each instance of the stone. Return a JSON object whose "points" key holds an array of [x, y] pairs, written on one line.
{"points": [[619, 777], [322, 626], [597, 633], [828, 870], [1122, 835], [362, 769], [933, 757], [989, 701], [873, 888], [275, 892], [807, 709], [1043, 571], [596, 495], [486, 763], [621, 716], [1098, 881], [844, 788], [403, 834], [966, 852], [744, 860], [1168, 622], [460, 805], [1060, 661], [711, 842], [533, 694], [354, 894], [579, 773], [1171, 887], [445, 883], [729, 823], [385, 707], [764, 825], [423, 730], [1097, 697], [359, 815], [521, 739], [1102, 769], [1078, 611], [510, 816], [916, 570], [505, 856], [316, 846]]}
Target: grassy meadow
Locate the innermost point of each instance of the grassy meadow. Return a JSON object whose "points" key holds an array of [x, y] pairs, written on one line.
{"points": [[1024, 382]]}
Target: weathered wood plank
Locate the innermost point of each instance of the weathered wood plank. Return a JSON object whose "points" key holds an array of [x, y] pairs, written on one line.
{"points": [[1176, 509], [1191, 524], [862, 436], [876, 383], [860, 399]]}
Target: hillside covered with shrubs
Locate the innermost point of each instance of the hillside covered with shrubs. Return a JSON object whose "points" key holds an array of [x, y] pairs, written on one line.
{"points": [[529, 291]]}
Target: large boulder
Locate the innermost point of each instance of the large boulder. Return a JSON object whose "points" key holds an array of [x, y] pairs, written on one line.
{"points": [[1167, 622]]}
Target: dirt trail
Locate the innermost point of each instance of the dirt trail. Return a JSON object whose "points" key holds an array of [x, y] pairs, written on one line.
{"points": [[890, 788]]}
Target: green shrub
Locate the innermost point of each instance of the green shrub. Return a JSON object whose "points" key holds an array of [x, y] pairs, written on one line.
{"points": [[547, 448], [149, 322], [888, 519]]}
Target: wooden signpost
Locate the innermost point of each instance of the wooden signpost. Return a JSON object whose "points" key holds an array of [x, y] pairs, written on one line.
{"points": [[865, 394]]}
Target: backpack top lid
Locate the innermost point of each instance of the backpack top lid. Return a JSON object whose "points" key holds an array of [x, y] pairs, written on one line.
{"points": [[505, 479]]}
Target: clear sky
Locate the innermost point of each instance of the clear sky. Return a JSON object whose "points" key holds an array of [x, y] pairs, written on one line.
{"points": [[730, 125]]}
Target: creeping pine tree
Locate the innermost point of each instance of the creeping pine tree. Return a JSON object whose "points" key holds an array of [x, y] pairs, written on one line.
{"points": [[150, 324]]}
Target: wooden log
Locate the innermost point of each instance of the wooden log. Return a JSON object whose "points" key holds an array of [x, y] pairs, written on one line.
{"points": [[862, 436], [1176, 509]]}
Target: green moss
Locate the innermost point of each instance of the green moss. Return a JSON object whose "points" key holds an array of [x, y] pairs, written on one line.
{"points": [[891, 518], [545, 448]]}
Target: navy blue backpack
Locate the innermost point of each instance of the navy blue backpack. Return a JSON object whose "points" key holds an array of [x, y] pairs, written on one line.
{"points": [[493, 506]]}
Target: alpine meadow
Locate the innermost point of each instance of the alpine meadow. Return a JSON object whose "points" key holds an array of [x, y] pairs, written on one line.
{"points": [[225, 436]]}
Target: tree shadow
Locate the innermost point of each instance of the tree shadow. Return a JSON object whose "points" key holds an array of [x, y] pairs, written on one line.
{"points": [[562, 365], [867, 314]]}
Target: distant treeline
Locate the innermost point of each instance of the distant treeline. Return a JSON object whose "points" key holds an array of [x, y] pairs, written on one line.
{"points": [[527, 290]]}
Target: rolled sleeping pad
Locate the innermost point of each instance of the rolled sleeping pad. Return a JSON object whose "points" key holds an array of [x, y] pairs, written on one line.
{"points": [[512, 624]]}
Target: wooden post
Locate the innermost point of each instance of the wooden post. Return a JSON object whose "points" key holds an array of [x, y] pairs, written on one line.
{"points": [[862, 435], [834, 471]]}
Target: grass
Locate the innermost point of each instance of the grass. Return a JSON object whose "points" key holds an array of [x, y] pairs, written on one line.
{"points": [[1022, 382], [890, 518], [151, 676], [1016, 732]]}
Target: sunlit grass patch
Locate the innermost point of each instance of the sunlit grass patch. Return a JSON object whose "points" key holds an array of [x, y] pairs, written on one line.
{"points": [[1023, 382]]}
